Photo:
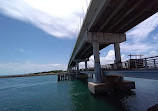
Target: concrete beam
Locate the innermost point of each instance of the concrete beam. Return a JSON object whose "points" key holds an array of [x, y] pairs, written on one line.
{"points": [[81, 60], [97, 10], [78, 46], [138, 18], [105, 38], [113, 14], [127, 13], [85, 51]]}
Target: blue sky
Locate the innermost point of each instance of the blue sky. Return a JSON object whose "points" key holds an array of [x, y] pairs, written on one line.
{"points": [[40, 35], [23, 43]]}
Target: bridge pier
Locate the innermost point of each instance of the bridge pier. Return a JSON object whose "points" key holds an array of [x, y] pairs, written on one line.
{"points": [[102, 38], [86, 65], [97, 67], [117, 55], [73, 69], [77, 61], [70, 70], [77, 68], [107, 83], [97, 24]]}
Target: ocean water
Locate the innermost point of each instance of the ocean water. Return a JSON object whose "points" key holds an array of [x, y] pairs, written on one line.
{"points": [[45, 93]]}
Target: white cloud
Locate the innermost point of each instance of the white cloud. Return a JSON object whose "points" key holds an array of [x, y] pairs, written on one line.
{"points": [[155, 37], [143, 30], [135, 47], [59, 18], [124, 58], [28, 67], [141, 39], [108, 59], [151, 54]]}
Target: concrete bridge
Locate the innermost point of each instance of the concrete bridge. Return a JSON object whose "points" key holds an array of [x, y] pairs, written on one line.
{"points": [[105, 23]]}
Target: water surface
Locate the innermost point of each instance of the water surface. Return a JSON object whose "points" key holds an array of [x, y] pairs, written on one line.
{"points": [[44, 93]]}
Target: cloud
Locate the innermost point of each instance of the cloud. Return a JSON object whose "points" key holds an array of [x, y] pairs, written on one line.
{"points": [[151, 54], [141, 39], [108, 59], [155, 37], [143, 30], [135, 47], [58, 18], [28, 67]]}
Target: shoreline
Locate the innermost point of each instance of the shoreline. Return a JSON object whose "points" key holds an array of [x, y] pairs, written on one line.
{"points": [[29, 75]]}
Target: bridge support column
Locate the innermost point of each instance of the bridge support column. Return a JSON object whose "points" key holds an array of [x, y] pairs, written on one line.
{"points": [[117, 55], [86, 65], [97, 67], [77, 68], [70, 70]]}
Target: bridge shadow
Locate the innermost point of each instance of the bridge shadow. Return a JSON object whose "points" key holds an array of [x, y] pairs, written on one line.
{"points": [[83, 100], [117, 99]]}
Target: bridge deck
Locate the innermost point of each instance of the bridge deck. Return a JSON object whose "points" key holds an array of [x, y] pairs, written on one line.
{"points": [[110, 16]]}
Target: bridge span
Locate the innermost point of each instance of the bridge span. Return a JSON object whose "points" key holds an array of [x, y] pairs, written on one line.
{"points": [[105, 23]]}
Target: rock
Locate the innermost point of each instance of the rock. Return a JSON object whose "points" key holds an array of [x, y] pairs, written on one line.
{"points": [[153, 108]]}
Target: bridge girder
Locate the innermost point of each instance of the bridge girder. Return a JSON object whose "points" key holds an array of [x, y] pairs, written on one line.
{"points": [[110, 16]]}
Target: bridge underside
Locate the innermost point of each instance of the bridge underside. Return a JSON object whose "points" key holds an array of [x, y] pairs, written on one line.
{"points": [[105, 21], [119, 16], [111, 16], [87, 51]]}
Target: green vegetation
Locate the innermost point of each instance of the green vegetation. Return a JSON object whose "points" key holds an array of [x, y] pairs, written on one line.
{"points": [[55, 72]]}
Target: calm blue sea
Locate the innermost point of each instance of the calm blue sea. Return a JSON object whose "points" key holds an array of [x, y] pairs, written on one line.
{"points": [[44, 93]]}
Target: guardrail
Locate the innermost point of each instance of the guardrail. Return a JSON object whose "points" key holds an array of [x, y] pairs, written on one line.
{"points": [[144, 63], [151, 62], [131, 64]]}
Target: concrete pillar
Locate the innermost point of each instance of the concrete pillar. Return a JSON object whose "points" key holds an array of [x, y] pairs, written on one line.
{"points": [[154, 63], [97, 67], [146, 64], [70, 69], [117, 55], [77, 68], [74, 68], [86, 65]]}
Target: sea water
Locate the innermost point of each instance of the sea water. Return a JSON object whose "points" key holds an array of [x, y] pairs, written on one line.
{"points": [[45, 93]]}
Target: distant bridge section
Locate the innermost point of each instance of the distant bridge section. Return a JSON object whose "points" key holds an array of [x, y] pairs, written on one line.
{"points": [[105, 23]]}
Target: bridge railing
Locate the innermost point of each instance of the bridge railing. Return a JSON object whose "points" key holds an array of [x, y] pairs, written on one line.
{"points": [[151, 62], [131, 64], [145, 63]]}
